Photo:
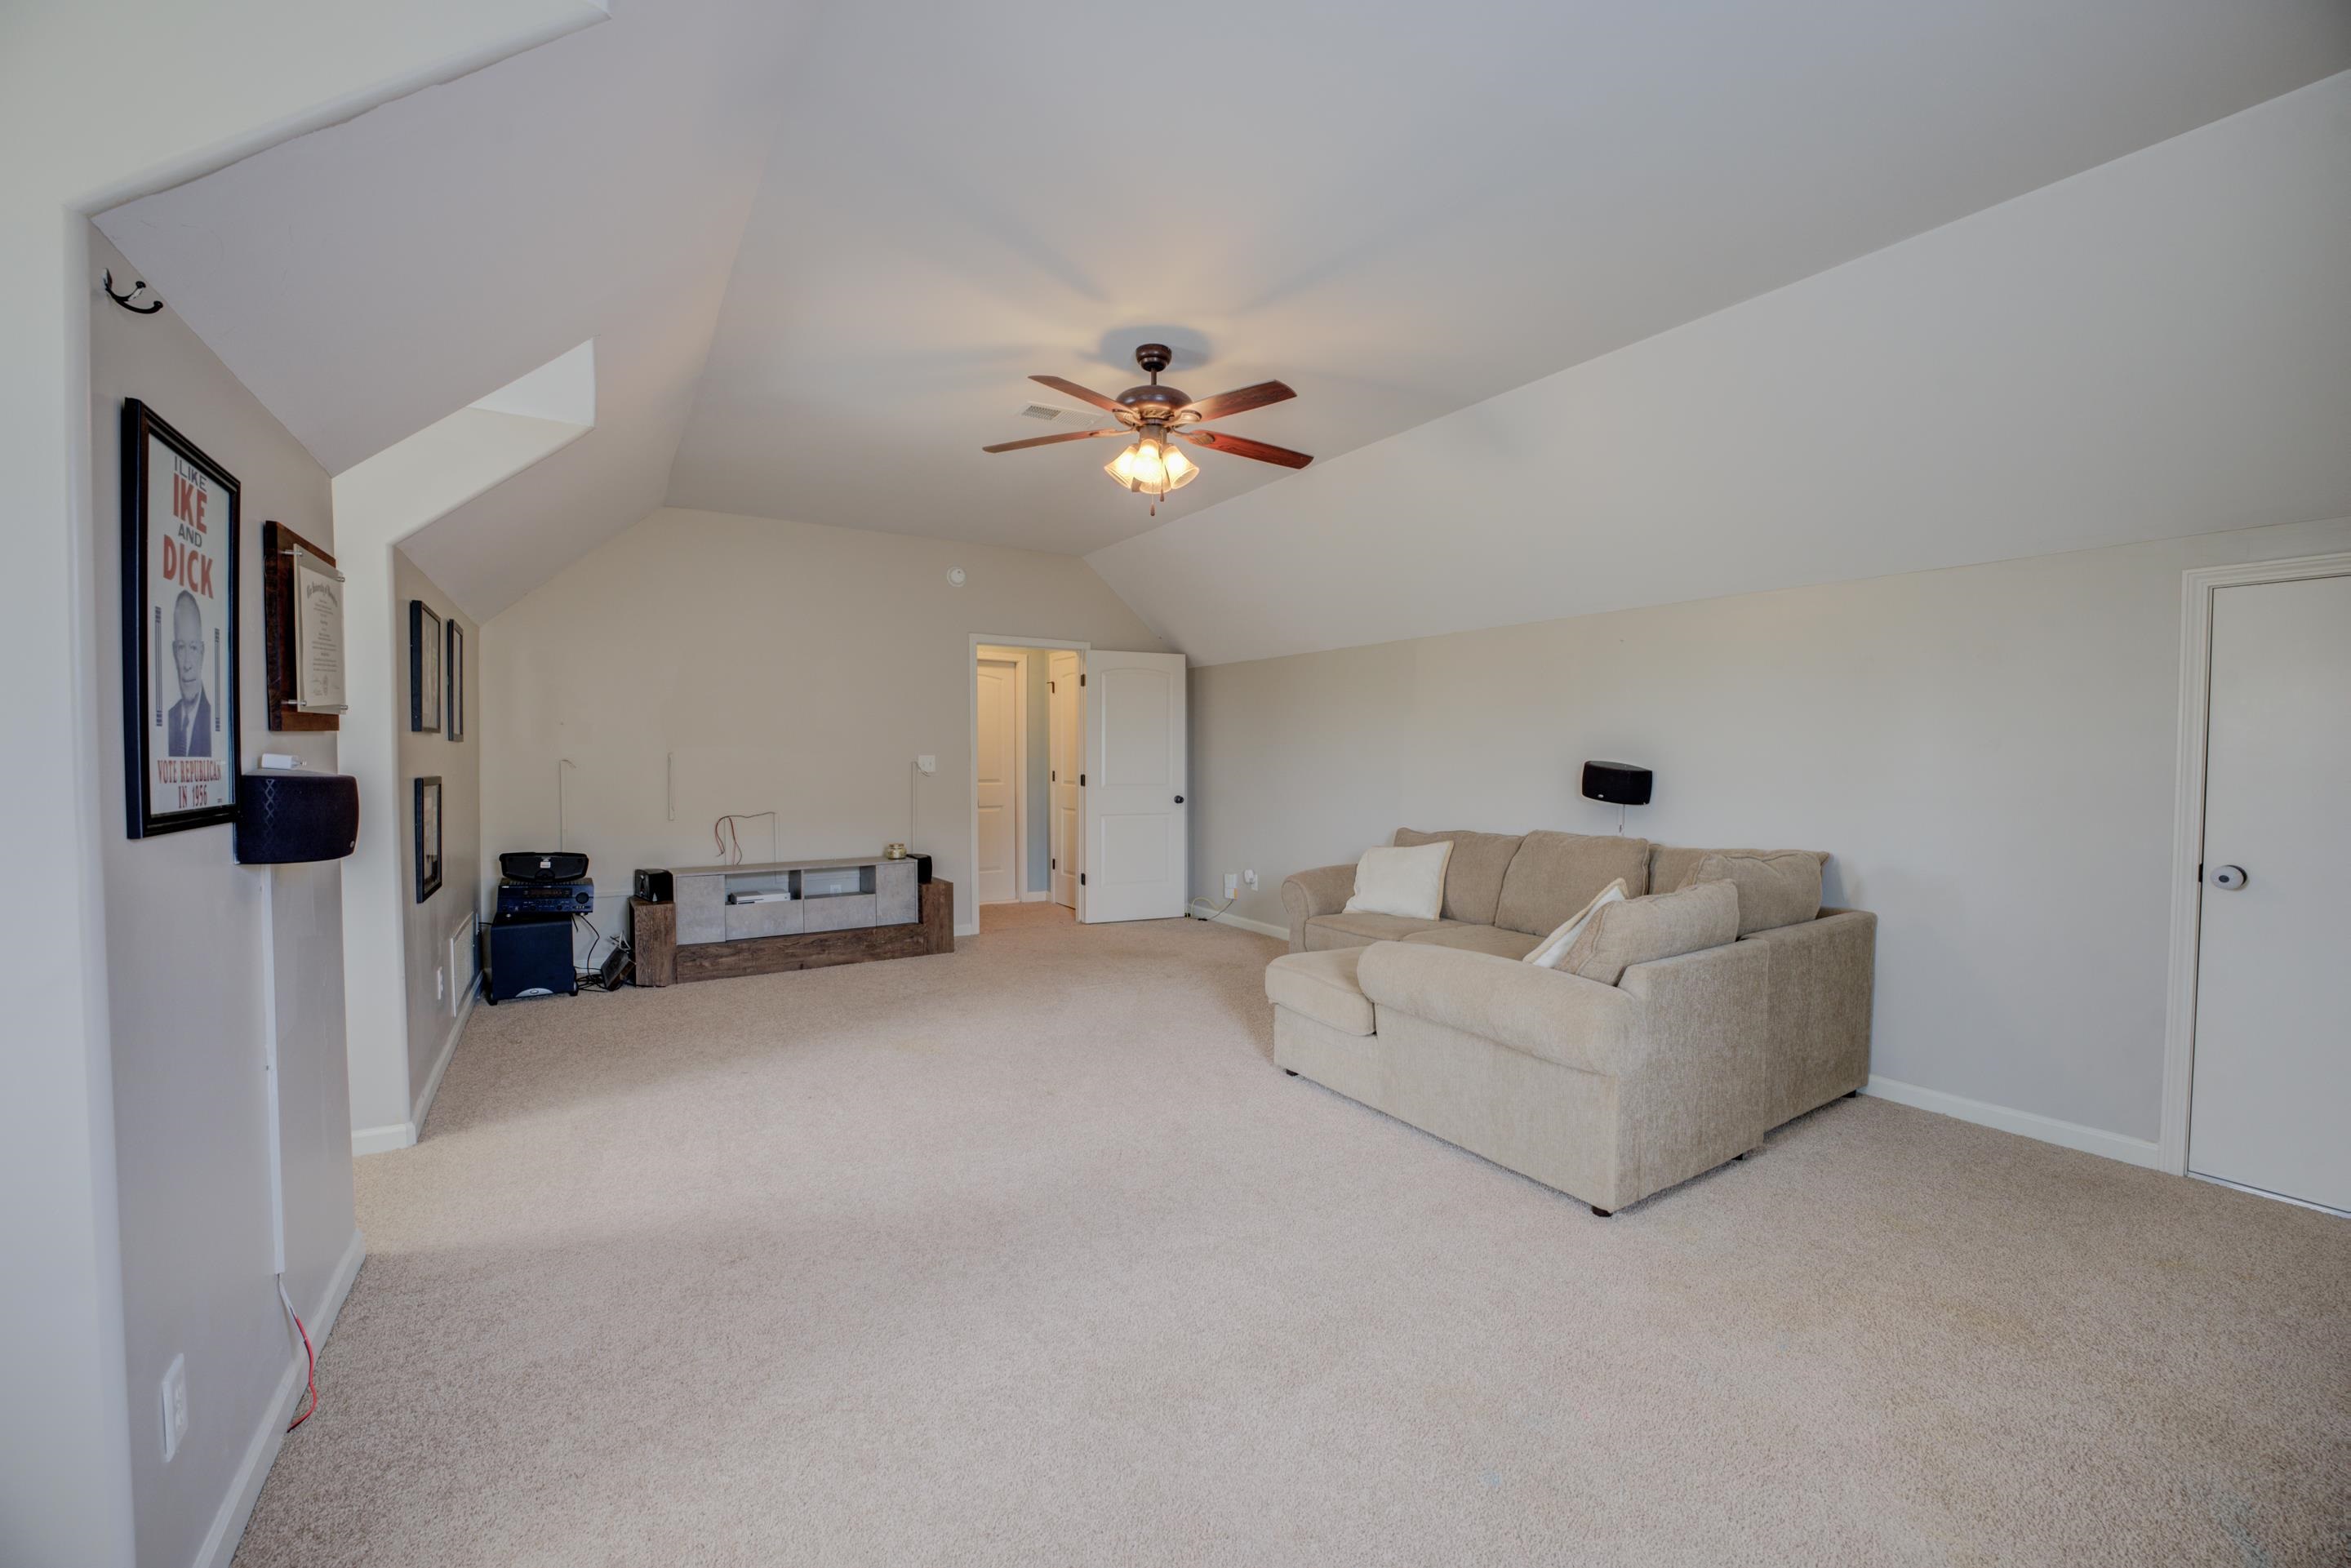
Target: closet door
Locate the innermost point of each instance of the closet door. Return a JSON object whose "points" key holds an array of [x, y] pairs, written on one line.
{"points": [[1136, 820]]}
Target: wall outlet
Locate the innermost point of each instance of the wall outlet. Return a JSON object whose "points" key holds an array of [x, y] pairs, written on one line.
{"points": [[175, 1406], [1249, 876], [1232, 883], [927, 763]]}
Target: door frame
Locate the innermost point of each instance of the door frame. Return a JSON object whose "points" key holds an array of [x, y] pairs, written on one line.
{"points": [[1018, 659], [2197, 587], [971, 743]]}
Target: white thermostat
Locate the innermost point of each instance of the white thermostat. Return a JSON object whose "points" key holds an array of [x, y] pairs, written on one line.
{"points": [[955, 576]]}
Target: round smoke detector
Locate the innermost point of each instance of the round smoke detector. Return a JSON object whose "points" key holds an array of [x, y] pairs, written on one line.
{"points": [[955, 576]]}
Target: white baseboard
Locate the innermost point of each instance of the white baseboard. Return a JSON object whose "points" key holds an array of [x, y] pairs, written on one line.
{"points": [[228, 1524], [1262, 928], [970, 930], [2028, 1123], [441, 1063], [382, 1140], [1038, 896]]}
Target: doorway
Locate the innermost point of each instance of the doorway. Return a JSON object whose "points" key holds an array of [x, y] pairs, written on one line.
{"points": [[2256, 1077], [1026, 736]]}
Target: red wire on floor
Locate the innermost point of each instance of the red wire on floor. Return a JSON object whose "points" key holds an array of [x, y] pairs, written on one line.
{"points": [[309, 1376]]}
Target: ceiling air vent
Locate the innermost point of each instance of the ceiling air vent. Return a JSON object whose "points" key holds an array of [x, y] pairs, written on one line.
{"points": [[1041, 411]]}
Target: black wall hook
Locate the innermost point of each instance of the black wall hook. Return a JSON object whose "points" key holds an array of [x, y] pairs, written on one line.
{"points": [[124, 299]]}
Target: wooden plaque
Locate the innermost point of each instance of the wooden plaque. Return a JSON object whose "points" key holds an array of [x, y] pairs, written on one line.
{"points": [[277, 541]]}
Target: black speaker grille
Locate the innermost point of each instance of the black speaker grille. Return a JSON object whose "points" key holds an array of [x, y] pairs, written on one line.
{"points": [[285, 818]]}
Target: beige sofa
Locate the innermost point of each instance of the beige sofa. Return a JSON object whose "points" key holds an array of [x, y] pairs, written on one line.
{"points": [[1608, 1091]]}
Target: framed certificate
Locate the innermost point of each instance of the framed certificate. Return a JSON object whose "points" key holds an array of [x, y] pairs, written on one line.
{"points": [[302, 619]]}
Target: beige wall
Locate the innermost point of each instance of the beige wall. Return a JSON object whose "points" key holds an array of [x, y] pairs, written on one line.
{"points": [[752, 665], [206, 958], [1988, 752], [435, 998]]}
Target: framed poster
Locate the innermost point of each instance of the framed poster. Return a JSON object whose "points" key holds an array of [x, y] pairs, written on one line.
{"points": [[424, 668], [181, 744], [302, 631], [456, 730], [428, 838]]}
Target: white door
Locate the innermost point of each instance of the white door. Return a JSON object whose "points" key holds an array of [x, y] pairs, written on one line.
{"points": [[2270, 1106], [1064, 725], [1137, 851], [998, 801]]}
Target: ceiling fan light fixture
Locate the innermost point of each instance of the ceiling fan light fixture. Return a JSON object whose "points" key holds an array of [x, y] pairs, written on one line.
{"points": [[1151, 467]]}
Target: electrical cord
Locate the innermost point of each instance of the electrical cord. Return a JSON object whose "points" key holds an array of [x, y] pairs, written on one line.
{"points": [[310, 1355], [729, 828], [1214, 913]]}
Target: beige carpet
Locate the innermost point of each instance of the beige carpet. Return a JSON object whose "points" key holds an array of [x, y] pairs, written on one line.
{"points": [[1027, 1255]]}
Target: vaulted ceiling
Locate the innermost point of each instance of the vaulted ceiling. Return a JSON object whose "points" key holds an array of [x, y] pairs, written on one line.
{"points": [[820, 248]]}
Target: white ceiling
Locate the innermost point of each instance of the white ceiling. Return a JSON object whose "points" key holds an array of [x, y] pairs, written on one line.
{"points": [[820, 256], [2158, 347]]}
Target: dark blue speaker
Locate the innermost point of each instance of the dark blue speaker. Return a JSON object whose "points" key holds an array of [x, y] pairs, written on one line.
{"points": [[282, 818]]}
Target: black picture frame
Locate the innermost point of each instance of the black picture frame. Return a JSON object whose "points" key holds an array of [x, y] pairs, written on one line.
{"points": [[201, 785], [424, 669], [454, 710], [428, 838]]}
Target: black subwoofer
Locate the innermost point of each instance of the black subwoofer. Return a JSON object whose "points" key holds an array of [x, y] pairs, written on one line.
{"points": [[285, 818]]}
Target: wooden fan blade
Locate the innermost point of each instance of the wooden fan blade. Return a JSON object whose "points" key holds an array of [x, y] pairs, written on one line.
{"points": [[1239, 401], [1084, 394], [1053, 440], [1242, 446]]}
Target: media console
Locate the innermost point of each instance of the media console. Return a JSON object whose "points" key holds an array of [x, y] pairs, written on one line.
{"points": [[789, 915]]}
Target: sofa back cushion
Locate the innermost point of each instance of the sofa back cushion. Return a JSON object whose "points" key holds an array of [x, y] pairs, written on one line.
{"points": [[1670, 865], [1555, 874], [1662, 925], [1782, 888], [1473, 878]]}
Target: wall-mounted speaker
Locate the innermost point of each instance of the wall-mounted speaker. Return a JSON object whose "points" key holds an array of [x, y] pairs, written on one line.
{"points": [[283, 818], [1618, 783]]}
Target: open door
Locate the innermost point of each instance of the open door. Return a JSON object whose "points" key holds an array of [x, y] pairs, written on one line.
{"points": [[1138, 846]]}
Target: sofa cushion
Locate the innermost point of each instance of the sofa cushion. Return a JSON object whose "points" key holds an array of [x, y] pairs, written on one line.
{"points": [[1555, 874], [1671, 864], [1782, 888], [1321, 986], [1473, 878], [1479, 939], [1661, 925], [1324, 932], [1408, 882]]}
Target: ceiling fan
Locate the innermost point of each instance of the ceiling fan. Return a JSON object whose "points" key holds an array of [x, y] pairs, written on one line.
{"points": [[1156, 416]]}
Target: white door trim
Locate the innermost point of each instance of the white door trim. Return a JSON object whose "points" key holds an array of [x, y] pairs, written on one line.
{"points": [[971, 750], [1018, 659], [2196, 588]]}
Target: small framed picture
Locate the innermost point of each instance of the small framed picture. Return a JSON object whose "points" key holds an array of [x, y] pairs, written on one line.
{"points": [[428, 838], [457, 729], [424, 668], [180, 519]]}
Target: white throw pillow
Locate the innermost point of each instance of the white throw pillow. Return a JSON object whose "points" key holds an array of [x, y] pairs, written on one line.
{"points": [[1553, 947], [1406, 882]]}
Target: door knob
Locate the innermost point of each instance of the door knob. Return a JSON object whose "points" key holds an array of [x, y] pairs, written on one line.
{"points": [[2227, 877]]}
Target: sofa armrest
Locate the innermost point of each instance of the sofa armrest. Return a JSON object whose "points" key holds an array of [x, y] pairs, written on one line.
{"points": [[1560, 1017], [1824, 973], [1322, 890]]}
